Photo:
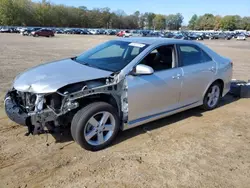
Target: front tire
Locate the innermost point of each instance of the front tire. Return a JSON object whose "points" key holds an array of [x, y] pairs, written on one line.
{"points": [[212, 97], [95, 126]]}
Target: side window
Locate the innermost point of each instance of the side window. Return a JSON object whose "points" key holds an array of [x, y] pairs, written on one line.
{"points": [[161, 58], [191, 55]]}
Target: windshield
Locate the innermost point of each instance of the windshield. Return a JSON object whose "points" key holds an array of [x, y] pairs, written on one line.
{"points": [[112, 56]]}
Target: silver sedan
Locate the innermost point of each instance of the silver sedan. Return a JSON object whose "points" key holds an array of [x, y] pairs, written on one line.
{"points": [[117, 85]]}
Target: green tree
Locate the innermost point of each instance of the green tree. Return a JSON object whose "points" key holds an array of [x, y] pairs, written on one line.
{"points": [[174, 21], [7, 12], [142, 21], [246, 23], [193, 21], [159, 22], [217, 23], [149, 17], [207, 22], [228, 23]]}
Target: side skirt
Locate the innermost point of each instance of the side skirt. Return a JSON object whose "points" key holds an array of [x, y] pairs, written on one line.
{"points": [[147, 119]]}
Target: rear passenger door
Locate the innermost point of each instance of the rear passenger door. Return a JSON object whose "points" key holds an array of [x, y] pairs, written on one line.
{"points": [[198, 72]]}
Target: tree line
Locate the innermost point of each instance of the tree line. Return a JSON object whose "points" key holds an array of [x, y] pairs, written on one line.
{"points": [[47, 14], [44, 13], [211, 22]]}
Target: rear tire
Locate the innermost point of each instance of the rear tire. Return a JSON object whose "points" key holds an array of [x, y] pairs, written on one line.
{"points": [[95, 126], [212, 96]]}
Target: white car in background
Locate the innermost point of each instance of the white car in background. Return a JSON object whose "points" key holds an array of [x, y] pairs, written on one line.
{"points": [[241, 37], [93, 32], [127, 33]]}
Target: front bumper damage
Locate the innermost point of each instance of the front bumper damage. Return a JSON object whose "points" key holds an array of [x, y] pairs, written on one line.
{"points": [[40, 114], [15, 112], [35, 122]]}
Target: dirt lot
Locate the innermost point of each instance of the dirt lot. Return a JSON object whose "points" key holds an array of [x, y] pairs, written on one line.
{"points": [[190, 149]]}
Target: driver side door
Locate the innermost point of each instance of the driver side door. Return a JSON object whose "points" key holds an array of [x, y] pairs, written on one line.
{"points": [[151, 96]]}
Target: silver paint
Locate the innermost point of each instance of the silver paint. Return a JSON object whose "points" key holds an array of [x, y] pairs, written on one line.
{"points": [[50, 77], [140, 98]]}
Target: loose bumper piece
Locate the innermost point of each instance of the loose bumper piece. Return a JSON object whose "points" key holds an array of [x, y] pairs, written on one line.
{"points": [[14, 112]]}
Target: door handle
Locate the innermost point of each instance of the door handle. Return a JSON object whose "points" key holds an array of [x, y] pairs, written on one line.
{"points": [[212, 69], [176, 76]]}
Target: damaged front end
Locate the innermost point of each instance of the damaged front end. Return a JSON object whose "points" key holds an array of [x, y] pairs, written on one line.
{"points": [[45, 112]]}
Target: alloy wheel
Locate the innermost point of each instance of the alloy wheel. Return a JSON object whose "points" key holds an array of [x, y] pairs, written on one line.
{"points": [[99, 128], [213, 96]]}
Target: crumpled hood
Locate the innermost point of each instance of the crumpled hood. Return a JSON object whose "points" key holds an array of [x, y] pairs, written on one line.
{"points": [[50, 77]]}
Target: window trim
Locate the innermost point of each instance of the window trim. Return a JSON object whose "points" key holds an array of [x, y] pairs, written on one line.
{"points": [[176, 57], [192, 45]]}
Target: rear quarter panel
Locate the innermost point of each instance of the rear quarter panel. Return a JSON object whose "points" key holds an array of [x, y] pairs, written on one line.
{"points": [[223, 66]]}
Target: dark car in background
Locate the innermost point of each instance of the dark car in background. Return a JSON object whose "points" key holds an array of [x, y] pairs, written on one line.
{"points": [[194, 36], [169, 35], [85, 32], [59, 31], [224, 36], [181, 36], [110, 32], [43, 33]]}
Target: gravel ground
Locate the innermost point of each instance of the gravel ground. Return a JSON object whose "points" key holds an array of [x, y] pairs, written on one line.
{"points": [[190, 149]]}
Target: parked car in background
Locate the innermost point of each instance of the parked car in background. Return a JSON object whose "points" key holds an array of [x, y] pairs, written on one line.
{"points": [[85, 32], [205, 35], [110, 32], [13, 30], [241, 37], [101, 31], [224, 36], [59, 31], [120, 33], [181, 36], [77, 31], [43, 33], [156, 34], [194, 36], [127, 34], [124, 33], [69, 31], [120, 84], [5, 30], [94, 32], [169, 35], [28, 31], [136, 33]]}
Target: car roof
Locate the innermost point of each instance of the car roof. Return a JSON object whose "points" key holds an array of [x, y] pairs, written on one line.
{"points": [[154, 40]]}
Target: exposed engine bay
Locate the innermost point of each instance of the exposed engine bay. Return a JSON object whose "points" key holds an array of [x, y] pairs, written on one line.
{"points": [[45, 112]]}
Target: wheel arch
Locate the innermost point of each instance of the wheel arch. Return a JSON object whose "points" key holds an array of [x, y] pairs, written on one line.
{"points": [[101, 97], [221, 83]]}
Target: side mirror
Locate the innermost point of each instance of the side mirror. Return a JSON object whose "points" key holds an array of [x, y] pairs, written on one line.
{"points": [[143, 70]]}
